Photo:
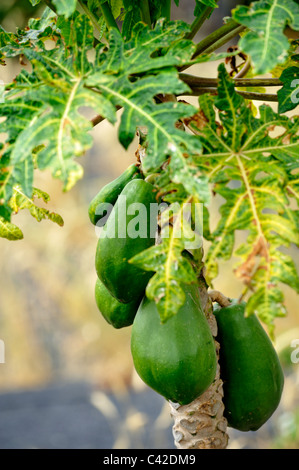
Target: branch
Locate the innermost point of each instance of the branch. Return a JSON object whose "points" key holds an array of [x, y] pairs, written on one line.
{"points": [[202, 85], [197, 91], [50, 5], [192, 80], [258, 96], [199, 21], [166, 9], [198, 82], [97, 119], [244, 69], [145, 13], [223, 40], [257, 82], [220, 298], [219, 37], [107, 13]]}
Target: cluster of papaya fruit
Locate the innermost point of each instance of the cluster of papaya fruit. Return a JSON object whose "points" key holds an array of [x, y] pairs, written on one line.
{"points": [[178, 358]]}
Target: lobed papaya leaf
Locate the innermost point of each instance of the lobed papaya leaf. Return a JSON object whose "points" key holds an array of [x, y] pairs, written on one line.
{"points": [[167, 260], [265, 42], [155, 51], [252, 163], [44, 124]]}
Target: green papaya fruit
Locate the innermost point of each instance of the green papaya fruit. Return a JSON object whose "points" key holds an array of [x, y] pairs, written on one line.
{"points": [[176, 358], [120, 240], [110, 192], [250, 369], [115, 313]]}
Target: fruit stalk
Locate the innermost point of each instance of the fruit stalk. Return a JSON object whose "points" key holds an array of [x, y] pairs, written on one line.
{"points": [[201, 424]]}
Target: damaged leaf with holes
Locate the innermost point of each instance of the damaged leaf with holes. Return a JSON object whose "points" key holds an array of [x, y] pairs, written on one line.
{"points": [[251, 163]]}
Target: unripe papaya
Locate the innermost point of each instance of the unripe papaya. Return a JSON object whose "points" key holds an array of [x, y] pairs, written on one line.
{"points": [[115, 313], [176, 358], [249, 367], [121, 240], [110, 192]]}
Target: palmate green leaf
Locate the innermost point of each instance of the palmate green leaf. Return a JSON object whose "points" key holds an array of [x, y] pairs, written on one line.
{"points": [[148, 50], [265, 41], [288, 94], [171, 267], [144, 54], [291, 60], [43, 109], [254, 171], [44, 125], [69, 130]]}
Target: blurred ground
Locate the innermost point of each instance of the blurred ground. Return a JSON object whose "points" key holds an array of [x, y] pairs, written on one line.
{"points": [[68, 377], [76, 415]]}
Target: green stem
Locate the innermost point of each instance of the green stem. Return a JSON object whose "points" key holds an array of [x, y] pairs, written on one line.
{"points": [[145, 12], [199, 21], [107, 13], [166, 9], [219, 37], [197, 91], [221, 41], [262, 82], [215, 40], [91, 16], [258, 96], [198, 82], [244, 70], [192, 80]]}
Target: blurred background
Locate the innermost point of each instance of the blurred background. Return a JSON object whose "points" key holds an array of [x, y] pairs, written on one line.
{"points": [[68, 380]]}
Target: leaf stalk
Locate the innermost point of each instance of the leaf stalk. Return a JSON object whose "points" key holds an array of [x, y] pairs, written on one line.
{"points": [[166, 10], [199, 21], [194, 81], [108, 16], [145, 12], [197, 91], [219, 37]]}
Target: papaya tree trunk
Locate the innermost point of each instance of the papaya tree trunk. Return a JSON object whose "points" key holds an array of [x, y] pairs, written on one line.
{"points": [[201, 424]]}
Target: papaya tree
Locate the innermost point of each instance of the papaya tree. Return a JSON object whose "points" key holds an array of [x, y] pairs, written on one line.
{"points": [[234, 135]]}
